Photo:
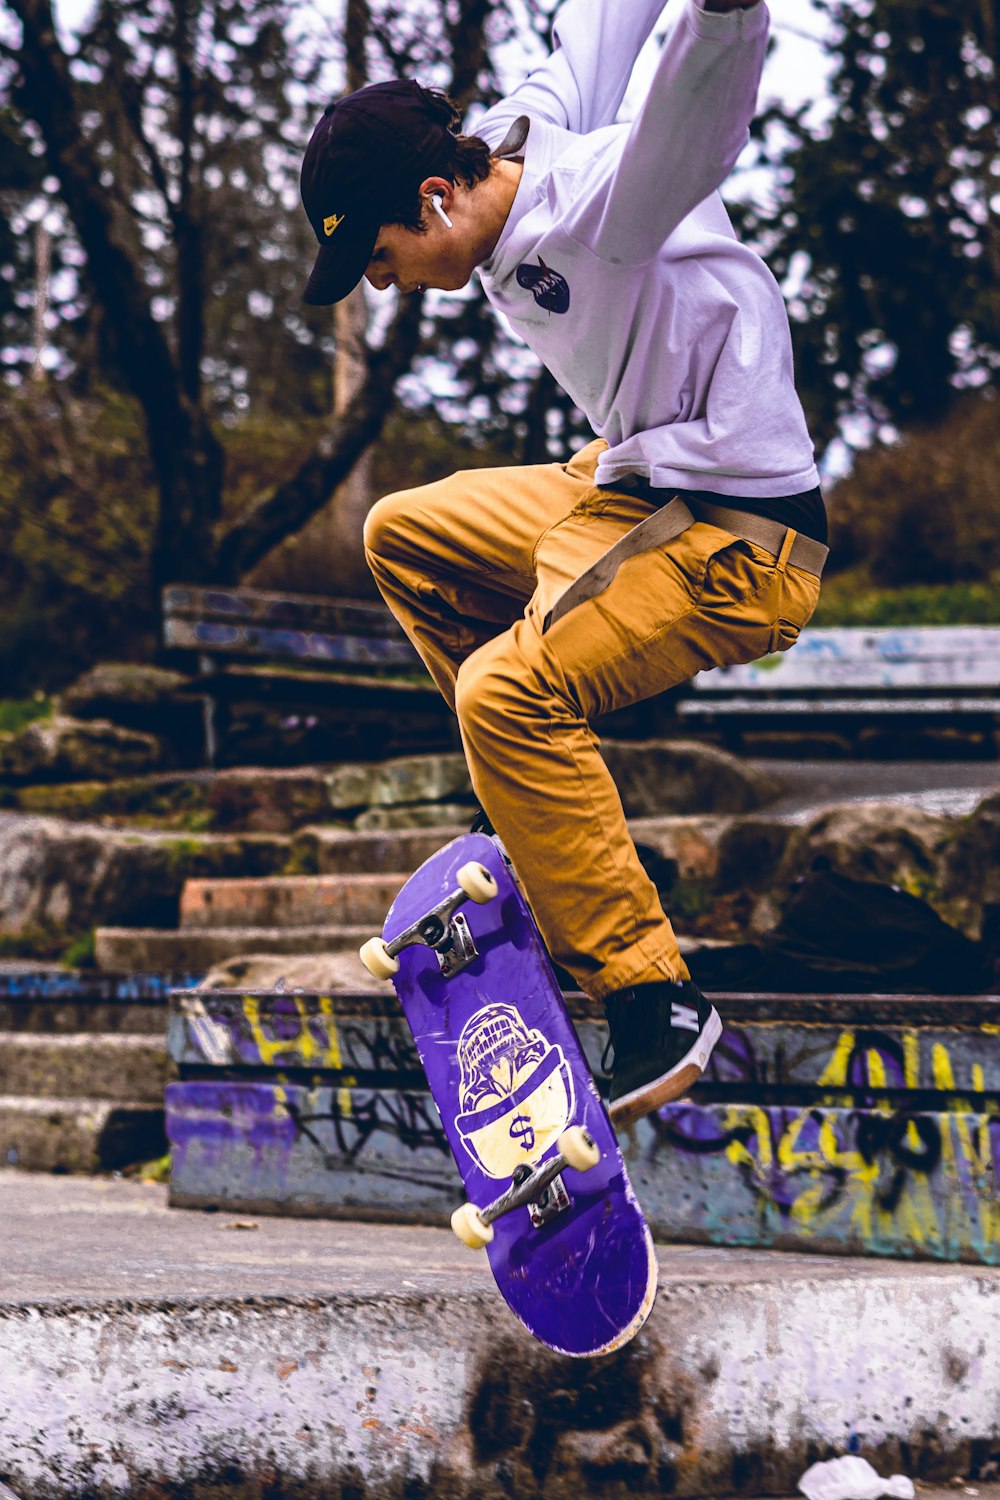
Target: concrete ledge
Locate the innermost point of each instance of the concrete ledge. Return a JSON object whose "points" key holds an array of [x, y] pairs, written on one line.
{"points": [[148, 1352], [78, 1135], [290, 901], [118, 1066], [155, 947]]}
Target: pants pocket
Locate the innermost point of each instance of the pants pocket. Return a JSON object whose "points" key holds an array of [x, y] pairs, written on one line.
{"points": [[784, 634], [797, 599]]}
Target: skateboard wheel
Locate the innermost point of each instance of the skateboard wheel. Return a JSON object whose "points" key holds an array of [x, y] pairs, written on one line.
{"points": [[467, 1223], [477, 882], [377, 960], [579, 1148]]}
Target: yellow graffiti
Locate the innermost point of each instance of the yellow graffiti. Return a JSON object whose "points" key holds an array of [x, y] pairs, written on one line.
{"points": [[834, 1075], [935, 1191], [977, 1155], [304, 1048]]}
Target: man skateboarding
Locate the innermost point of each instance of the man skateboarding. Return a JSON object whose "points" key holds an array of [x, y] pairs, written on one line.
{"points": [[689, 535]]}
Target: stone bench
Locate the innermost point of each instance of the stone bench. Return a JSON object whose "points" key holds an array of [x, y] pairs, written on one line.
{"points": [[851, 679], [294, 651], [846, 1124]]}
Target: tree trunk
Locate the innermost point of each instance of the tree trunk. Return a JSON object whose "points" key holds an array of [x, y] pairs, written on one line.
{"points": [[43, 267], [327, 555], [187, 457]]}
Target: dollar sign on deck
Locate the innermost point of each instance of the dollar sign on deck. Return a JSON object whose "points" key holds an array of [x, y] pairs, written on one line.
{"points": [[522, 1131]]}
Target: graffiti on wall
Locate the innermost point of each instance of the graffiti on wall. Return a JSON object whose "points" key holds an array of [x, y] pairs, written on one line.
{"points": [[881, 1139], [287, 1032], [272, 1142], [862, 1165]]}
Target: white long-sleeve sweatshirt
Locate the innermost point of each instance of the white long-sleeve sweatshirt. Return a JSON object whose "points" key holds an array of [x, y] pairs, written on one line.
{"points": [[618, 264]]}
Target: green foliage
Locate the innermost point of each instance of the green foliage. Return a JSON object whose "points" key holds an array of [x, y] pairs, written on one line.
{"points": [[852, 599], [420, 448], [76, 510], [884, 223], [15, 713], [927, 509], [43, 941], [80, 953], [157, 1170]]}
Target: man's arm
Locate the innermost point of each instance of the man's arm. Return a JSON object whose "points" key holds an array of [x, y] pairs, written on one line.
{"points": [[685, 139], [581, 86]]}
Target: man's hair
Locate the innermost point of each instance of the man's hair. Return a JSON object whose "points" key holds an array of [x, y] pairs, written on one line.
{"points": [[470, 161]]}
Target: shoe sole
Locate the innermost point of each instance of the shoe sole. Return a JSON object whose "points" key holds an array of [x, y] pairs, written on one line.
{"points": [[670, 1085]]}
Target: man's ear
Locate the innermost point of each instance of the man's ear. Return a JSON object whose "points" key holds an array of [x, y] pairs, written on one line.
{"points": [[438, 187]]}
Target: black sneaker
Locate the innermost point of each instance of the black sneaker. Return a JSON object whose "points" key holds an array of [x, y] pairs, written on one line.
{"points": [[482, 824], [662, 1034]]}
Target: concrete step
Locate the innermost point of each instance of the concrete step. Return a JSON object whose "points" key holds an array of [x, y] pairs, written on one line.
{"points": [[199, 948], [289, 901], [693, 843], [334, 851], [46, 1000], [379, 1359], [78, 1135], [68, 1017], [137, 1068]]}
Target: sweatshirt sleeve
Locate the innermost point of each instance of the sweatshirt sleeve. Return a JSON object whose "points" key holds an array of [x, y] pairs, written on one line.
{"points": [[580, 87], [683, 143]]}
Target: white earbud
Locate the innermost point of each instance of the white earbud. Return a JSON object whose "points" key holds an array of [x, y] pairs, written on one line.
{"points": [[438, 208]]}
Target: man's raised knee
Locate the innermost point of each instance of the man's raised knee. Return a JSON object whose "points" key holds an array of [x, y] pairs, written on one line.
{"points": [[383, 522], [488, 686]]}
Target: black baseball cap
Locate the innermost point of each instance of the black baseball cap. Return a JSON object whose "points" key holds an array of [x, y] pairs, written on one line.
{"points": [[364, 163]]}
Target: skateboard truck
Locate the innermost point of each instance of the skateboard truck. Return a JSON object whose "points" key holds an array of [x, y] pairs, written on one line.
{"points": [[552, 1200], [540, 1189], [444, 928]]}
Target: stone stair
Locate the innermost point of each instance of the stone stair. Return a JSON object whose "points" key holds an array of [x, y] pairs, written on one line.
{"points": [[333, 911], [83, 1069], [357, 874]]}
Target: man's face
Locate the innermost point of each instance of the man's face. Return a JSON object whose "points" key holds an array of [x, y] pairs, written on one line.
{"points": [[411, 261]]}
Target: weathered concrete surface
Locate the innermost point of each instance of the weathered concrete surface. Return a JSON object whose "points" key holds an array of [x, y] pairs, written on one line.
{"points": [[935, 786], [69, 876], [200, 948], [654, 777], [250, 799], [147, 1352], [657, 777], [135, 695], [857, 1125], [330, 972], [83, 1069], [77, 1135], [958, 1486], [64, 749], [947, 861], [289, 901], [95, 1066]]}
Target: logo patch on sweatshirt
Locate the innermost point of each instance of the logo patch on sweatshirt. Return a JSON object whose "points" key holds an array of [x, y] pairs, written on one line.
{"points": [[549, 289]]}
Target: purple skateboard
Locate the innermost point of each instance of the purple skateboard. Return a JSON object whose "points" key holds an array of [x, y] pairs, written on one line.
{"points": [[568, 1245]]}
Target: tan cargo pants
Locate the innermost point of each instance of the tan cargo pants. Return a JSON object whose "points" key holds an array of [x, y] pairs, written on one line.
{"points": [[469, 566]]}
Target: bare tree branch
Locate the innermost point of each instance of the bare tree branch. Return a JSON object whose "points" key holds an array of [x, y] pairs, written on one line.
{"points": [[288, 508], [467, 39], [130, 96], [357, 24]]}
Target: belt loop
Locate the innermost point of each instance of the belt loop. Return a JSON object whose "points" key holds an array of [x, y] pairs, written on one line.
{"points": [[786, 548]]}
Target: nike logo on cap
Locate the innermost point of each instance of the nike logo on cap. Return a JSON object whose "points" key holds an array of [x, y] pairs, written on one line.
{"points": [[330, 224]]}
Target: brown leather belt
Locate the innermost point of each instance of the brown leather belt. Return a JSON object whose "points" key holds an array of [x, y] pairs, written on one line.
{"points": [[669, 521]]}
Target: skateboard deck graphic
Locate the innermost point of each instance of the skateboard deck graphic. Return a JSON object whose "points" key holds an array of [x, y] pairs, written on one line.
{"points": [[507, 1073]]}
